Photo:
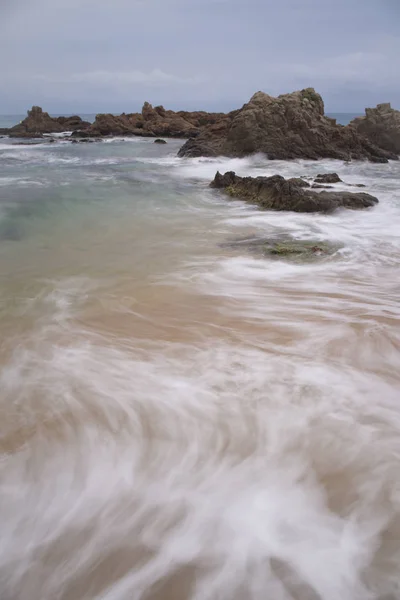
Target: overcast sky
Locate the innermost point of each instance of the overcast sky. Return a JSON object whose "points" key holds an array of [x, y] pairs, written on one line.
{"points": [[111, 55]]}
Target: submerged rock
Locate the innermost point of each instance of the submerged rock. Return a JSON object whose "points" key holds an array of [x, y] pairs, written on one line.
{"points": [[380, 125], [285, 247], [287, 127], [277, 193], [159, 141]]}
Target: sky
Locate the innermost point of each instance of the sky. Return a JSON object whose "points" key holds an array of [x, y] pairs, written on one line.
{"points": [[88, 56]]}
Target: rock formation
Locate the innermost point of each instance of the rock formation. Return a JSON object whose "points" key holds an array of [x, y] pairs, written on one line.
{"points": [[152, 122], [38, 122], [287, 127], [381, 126], [277, 193]]}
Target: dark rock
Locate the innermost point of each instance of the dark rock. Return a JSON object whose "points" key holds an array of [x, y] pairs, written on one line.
{"points": [[159, 141], [288, 127], [153, 122], [38, 122], [277, 193], [80, 134], [378, 159], [25, 134], [72, 123], [321, 186], [300, 182], [381, 125], [328, 178]]}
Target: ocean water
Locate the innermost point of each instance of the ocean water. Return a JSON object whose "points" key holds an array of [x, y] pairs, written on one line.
{"points": [[182, 418]]}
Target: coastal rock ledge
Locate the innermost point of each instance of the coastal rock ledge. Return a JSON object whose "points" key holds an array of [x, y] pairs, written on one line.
{"points": [[278, 193], [290, 126]]}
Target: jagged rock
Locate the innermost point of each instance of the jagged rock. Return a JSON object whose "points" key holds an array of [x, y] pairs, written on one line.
{"points": [[381, 125], [277, 193], [39, 122], [287, 127], [152, 122], [328, 178], [300, 182], [72, 123], [159, 141]]}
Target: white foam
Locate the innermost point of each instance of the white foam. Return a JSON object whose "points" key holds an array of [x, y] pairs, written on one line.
{"points": [[259, 462], [218, 456]]}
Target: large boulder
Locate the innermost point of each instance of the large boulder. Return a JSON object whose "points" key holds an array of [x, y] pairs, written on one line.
{"points": [[381, 125], [277, 193], [287, 127], [39, 122]]}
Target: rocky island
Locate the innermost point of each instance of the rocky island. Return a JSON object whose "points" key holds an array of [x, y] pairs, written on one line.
{"points": [[39, 122], [290, 126]]}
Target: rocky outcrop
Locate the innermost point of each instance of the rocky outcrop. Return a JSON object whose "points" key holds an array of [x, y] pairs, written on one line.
{"points": [[381, 126], [72, 123], [287, 127], [39, 122], [277, 193], [153, 122]]}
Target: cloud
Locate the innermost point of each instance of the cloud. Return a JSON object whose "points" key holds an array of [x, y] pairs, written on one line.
{"points": [[155, 77], [373, 68], [98, 55]]}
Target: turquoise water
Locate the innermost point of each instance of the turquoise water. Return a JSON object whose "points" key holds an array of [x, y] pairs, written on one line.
{"points": [[181, 418]]}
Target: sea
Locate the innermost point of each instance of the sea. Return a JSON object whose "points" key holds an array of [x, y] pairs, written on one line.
{"points": [[182, 417]]}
